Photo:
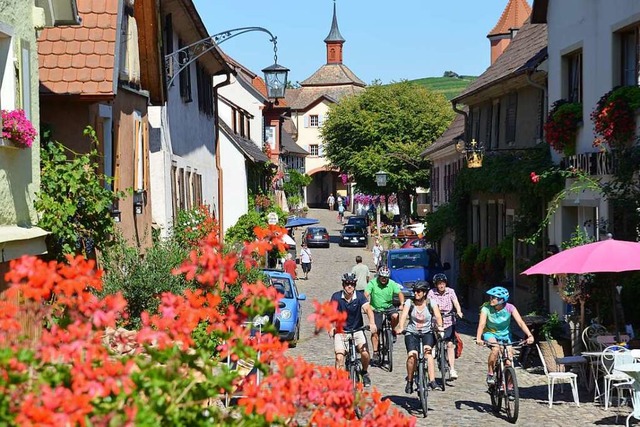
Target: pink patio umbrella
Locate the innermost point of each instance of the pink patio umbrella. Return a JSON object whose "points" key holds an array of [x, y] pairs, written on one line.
{"points": [[599, 257], [605, 256]]}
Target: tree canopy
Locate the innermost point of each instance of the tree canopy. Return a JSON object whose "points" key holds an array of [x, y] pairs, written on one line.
{"points": [[386, 127]]}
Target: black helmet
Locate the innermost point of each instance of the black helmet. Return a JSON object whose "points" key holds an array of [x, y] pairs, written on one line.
{"points": [[421, 285], [440, 277], [349, 279]]}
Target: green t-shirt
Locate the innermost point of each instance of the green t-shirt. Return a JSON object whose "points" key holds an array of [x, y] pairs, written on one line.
{"points": [[382, 297]]}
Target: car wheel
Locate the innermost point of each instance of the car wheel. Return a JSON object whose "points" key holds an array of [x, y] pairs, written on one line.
{"points": [[296, 336]]}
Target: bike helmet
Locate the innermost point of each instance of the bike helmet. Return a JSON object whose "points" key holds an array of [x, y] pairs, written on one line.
{"points": [[440, 277], [384, 272], [499, 292], [349, 279], [421, 285]]}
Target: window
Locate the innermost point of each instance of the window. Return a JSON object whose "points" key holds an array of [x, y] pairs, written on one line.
{"points": [[185, 74], [630, 57], [7, 81], [25, 77], [205, 91], [313, 149], [512, 114], [314, 121], [139, 137], [573, 63]]}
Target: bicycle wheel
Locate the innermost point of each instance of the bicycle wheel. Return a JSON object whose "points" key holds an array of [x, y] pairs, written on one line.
{"points": [[422, 388], [442, 362], [389, 339], [512, 406], [353, 374], [495, 392]]}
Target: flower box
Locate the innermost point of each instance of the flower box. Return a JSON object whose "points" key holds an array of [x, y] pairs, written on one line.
{"points": [[17, 128], [7, 143]]}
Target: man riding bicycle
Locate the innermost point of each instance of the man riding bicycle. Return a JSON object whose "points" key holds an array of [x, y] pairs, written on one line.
{"points": [[380, 292], [353, 303], [493, 327], [447, 300], [422, 315]]}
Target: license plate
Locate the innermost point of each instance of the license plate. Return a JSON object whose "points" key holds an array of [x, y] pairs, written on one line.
{"points": [[354, 240], [317, 237]]}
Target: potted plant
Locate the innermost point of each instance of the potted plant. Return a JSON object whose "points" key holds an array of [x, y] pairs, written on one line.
{"points": [[17, 130], [305, 211], [561, 126], [614, 117]]}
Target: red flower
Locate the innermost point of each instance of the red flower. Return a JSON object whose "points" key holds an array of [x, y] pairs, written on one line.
{"points": [[535, 178]]}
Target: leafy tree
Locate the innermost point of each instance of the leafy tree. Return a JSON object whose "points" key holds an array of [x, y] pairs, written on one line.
{"points": [[74, 202], [297, 181], [386, 128]]}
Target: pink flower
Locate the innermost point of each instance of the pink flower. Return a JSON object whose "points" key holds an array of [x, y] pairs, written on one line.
{"points": [[535, 178], [17, 128]]}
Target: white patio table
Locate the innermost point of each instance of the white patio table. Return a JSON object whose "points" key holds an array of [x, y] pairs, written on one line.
{"points": [[633, 370]]}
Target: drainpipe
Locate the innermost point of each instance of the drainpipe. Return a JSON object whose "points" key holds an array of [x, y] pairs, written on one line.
{"points": [[454, 105], [216, 121], [543, 88]]}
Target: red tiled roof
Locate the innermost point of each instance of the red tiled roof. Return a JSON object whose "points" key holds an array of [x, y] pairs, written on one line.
{"points": [[513, 16], [80, 60]]}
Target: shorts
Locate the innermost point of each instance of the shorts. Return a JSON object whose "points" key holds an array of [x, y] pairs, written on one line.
{"points": [[340, 341], [487, 336], [377, 317], [412, 343], [306, 267], [449, 334]]}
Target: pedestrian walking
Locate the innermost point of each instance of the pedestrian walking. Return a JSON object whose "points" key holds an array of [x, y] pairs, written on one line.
{"points": [[340, 212], [305, 260], [331, 201], [377, 253], [290, 266], [362, 274]]}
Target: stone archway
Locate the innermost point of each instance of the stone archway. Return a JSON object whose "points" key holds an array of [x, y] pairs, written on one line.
{"points": [[323, 183]]}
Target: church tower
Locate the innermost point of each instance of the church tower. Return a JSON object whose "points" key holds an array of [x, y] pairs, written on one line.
{"points": [[334, 41], [513, 16]]}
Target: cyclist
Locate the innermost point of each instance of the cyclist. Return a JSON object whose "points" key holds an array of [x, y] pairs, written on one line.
{"points": [[380, 292], [495, 320], [353, 303], [447, 300], [422, 314]]}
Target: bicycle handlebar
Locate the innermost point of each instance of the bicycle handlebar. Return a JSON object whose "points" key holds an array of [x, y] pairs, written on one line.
{"points": [[353, 331], [490, 344]]}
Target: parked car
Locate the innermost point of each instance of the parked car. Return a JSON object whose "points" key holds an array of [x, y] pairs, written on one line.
{"points": [[360, 221], [353, 235], [316, 237], [407, 266], [416, 243], [289, 311]]}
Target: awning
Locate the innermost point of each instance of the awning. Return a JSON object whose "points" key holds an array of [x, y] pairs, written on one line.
{"points": [[300, 222]]}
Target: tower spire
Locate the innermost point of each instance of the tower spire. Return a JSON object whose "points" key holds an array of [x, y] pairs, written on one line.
{"points": [[334, 40]]}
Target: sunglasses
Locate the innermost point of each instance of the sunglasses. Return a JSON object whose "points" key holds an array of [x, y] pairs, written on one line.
{"points": [[348, 284], [493, 297]]}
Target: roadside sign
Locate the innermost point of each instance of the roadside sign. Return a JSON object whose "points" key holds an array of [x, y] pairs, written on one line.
{"points": [[272, 218]]}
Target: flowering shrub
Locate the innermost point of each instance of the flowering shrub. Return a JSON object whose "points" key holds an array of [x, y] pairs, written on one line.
{"points": [[262, 201], [614, 117], [17, 128], [70, 376], [266, 148], [561, 126]]}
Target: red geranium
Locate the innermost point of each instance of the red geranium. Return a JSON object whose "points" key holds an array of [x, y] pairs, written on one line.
{"points": [[561, 126], [614, 117]]}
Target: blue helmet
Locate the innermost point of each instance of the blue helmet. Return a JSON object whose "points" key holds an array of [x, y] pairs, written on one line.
{"points": [[499, 292]]}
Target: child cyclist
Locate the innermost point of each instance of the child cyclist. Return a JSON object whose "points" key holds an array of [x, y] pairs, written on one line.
{"points": [[493, 327]]}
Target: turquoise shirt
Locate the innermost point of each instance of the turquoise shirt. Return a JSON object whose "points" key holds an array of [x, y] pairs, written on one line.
{"points": [[498, 321]]}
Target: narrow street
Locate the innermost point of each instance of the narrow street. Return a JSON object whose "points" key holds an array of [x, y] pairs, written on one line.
{"points": [[465, 401]]}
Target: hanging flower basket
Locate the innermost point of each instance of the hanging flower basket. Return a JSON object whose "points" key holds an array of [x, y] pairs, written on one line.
{"points": [[17, 130], [614, 117], [561, 126]]}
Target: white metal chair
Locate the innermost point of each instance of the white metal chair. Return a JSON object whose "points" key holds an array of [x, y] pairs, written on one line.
{"points": [[553, 377], [613, 356]]}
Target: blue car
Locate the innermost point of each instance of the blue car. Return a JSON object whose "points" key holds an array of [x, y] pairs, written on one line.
{"points": [[289, 310], [407, 266]]}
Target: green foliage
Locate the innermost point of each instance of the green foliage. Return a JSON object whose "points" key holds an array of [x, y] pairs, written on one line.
{"points": [[386, 128], [449, 85], [489, 266], [242, 230], [467, 264], [552, 328], [297, 182], [142, 279], [73, 201]]}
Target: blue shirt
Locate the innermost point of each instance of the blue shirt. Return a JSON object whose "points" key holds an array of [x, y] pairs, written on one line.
{"points": [[353, 308]]}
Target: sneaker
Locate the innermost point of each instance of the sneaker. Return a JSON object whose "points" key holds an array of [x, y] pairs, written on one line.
{"points": [[491, 380], [433, 385], [511, 395], [366, 380], [409, 387], [453, 374], [376, 358]]}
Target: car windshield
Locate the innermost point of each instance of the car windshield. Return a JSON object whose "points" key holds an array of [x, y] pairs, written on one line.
{"points": [[409, 259], [283, 286], [317, 231], [351, 229], [357, 221]]}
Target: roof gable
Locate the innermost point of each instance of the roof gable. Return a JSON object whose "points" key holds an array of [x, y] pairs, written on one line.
{"points": [[332, 75]]}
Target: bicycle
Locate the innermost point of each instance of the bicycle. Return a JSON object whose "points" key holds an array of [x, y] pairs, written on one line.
{"points": [[505, 387], [385, 339], [352, 362], [420, 377], [441, 352]]}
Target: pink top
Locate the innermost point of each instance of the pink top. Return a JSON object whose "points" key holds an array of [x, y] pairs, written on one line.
{"points": [[445, 303]]}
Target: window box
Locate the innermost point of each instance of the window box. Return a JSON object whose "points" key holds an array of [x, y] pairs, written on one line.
{"points": [[7, 143]]}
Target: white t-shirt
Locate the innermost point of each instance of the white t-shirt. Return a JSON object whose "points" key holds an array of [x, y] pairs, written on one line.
{"points": [[305, 255]]}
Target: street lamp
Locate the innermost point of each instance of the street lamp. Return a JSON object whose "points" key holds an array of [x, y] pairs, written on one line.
{"points": [[473, 152], [275, 75], [381, 180]]}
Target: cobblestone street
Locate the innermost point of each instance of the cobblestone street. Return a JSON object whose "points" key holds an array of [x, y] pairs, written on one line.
{"points": [[465, 402]]}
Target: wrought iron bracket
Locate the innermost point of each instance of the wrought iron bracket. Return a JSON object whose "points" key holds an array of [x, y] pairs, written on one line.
{"points": [[177, 61]]}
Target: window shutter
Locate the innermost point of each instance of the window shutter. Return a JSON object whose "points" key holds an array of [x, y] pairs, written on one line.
{"points": [[306, 121], [321, 150], [512, 110], [320, 120]]}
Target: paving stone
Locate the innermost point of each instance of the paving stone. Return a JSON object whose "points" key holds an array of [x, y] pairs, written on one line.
{"points": [[465, 402]]}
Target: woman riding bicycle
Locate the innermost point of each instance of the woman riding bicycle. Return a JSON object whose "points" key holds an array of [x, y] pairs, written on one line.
{"points": [[421, 313], [447, 300], [353, 303], [493, 327]]}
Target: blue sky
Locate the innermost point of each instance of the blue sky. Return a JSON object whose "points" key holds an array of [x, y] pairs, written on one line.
{"points": [[385, 40]]}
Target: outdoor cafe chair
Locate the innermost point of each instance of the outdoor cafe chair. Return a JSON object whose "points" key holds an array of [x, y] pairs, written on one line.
{"points": [[589, 337], [610, 339], [560, 377], [612, 357]]}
